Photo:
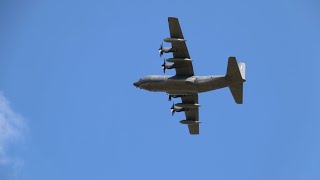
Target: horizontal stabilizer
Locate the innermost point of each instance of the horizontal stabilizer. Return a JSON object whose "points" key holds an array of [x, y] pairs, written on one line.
{"points": [[237, 92], [233, 72], [236, 75]]}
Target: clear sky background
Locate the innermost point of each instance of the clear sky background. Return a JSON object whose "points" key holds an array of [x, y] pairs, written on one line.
{"points": [[69, 109]]}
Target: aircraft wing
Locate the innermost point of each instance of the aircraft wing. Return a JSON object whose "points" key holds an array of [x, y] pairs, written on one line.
{"points": [[183, 68], [192, 114]]}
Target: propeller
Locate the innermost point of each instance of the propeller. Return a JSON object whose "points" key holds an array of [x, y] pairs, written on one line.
{"points": [[164, 67], [161, 50], [172, 109], [169, 97]]}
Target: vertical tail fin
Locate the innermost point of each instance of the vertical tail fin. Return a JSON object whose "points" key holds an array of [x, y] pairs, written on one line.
{"points": [[242, 68], [236, 76]]}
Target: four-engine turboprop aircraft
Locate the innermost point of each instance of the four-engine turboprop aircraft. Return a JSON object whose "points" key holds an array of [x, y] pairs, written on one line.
{"points": [[185, 84]]}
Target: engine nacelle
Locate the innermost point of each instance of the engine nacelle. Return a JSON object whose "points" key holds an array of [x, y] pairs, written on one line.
{"points": [[189, 122], [171, 40], [189, 106], [175, 96], [173, 60]]}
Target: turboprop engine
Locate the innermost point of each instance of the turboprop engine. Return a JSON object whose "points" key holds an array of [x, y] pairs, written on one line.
{"points": [[165, 50], [175, 61], [166, 66], [179, 107], [175, 108], [175, 96]]}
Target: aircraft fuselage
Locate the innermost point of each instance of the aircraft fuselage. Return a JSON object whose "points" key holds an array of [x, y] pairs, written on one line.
{"points": [[182, 85]]}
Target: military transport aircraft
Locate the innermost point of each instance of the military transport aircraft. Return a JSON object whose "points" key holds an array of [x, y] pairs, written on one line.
{"points": [[185, 84]]}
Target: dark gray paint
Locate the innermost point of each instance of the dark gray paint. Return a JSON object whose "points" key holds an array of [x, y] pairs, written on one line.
{"points": [[187, 86]]}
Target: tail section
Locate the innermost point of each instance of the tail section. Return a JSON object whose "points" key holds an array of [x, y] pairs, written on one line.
{"points": [[236, 76], [242, 68], [237, 92]]}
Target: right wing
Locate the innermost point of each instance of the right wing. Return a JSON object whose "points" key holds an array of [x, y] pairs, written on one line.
{"points": [[192, 114], [184, 68]]}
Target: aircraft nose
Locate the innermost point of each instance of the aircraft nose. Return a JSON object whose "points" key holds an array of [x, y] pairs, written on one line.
{"points": [[136, 84]]}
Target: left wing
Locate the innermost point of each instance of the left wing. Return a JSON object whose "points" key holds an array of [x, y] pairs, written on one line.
{"points": [[193, 113], [180, 50]]}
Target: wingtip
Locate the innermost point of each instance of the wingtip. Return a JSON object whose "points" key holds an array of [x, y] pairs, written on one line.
{"points": [[192, 133], [171, 17]]}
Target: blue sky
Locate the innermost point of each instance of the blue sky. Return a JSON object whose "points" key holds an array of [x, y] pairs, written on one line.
{"points": [[66, 74]]}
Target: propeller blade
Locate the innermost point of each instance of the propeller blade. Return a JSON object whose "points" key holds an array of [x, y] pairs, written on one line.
{"points": [[161, 49], [172, 112], [169, 97], [164, 69], [161, 45], [164, 66], [172, 109]]}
